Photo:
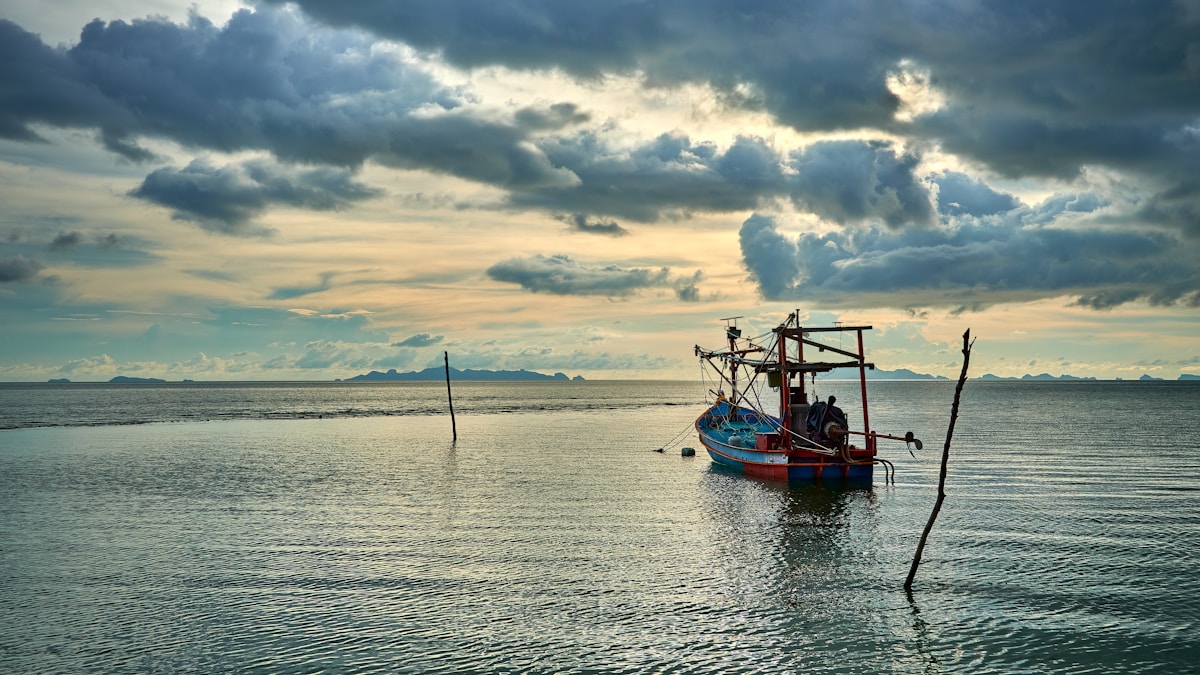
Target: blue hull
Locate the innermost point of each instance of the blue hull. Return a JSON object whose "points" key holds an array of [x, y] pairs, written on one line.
{"points": [[730, 436]]}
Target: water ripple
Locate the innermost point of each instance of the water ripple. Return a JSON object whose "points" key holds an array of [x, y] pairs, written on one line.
{"points": [[559, 543]]}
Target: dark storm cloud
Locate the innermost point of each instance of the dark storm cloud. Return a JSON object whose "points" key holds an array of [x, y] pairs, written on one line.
{"points": [[19, 268], [771, 257], [844, 181], [961, 195], [973, 263], [668, 174], [1176, 206], [562, 275], [1030, 88], [268, 81], [227, 199], [586, 39], [265, 81], [1023, 88], [852, 181], [823, 70], [40, 85], [1043, 88], [581, 223]]}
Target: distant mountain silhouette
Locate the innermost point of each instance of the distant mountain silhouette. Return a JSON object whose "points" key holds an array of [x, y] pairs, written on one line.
{"points": [[439, 373], [900, 374]]}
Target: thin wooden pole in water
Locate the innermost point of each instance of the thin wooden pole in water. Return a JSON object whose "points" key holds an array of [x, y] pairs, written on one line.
{"points": [[453, 426], [941, 497]]}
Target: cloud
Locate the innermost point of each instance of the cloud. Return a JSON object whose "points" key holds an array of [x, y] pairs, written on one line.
{"points": [[1021, 92], [545, 358], [990, 85], [771, 258], [686, 288], [227, 199], [266, 81], [855, 181], [584, 39], [19, 268], [581, 223], [971, 264], [669, 174], [110, 241], [289, 292], [419, 340], [65, 241], [1176, 206], [961, 195], [102, 363], [843, 181], [325, 354], [833, 82], [269, 81], [562, 275]]}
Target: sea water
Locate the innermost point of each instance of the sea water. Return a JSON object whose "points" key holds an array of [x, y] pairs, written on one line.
{"points": [[302, 528]]}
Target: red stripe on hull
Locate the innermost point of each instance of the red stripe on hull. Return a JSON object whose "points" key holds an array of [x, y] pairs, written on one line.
{"points": [[766, 471]]}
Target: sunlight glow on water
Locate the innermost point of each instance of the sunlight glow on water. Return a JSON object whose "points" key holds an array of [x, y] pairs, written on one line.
{"points": [[555, 540]]}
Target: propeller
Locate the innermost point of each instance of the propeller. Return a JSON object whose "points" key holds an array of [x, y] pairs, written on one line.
{"points": [[909, 438]]}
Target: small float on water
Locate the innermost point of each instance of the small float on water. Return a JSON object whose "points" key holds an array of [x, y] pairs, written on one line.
{"points": [[805, 440]]}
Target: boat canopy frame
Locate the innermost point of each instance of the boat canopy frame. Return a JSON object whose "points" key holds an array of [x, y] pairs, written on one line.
{"points": [[784, 356]]}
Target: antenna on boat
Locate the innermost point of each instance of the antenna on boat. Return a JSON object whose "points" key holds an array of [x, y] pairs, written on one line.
{"points": [[731, 330]]}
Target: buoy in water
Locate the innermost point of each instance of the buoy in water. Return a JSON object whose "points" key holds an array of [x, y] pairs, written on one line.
{"points": [[688, 452]]}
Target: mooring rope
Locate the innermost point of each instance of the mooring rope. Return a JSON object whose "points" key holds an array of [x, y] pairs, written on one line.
{"points": [[673, 441]]}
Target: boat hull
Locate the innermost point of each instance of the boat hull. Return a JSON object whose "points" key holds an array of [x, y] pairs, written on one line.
{"points": [[745, 441], [814, 471]]}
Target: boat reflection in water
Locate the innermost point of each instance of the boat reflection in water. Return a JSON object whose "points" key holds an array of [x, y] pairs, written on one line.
{"points": [[794, 547]]}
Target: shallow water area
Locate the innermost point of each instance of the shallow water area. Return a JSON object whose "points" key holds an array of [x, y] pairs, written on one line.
{"points": [[552, 538]]}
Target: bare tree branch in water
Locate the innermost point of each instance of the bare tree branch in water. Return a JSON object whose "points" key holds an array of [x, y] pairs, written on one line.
{"points": [[941, 497]]}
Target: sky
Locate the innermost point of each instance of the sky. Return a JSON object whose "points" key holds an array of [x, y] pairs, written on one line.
{"points": [[316, 189]]}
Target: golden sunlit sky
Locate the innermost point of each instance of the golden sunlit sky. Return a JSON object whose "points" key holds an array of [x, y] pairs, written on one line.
{"points": [[317, 189]]}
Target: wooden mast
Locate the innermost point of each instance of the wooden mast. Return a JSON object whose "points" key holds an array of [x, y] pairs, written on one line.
{"points": [[732, 332], [862, 383]]}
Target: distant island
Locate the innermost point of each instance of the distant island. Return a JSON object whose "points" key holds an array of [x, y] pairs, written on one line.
{"points": [[439, 373], [121, 379], [900, 374], [1044, 377]]}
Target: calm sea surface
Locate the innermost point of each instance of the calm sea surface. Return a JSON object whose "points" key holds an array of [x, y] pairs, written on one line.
{"points": [[304, 528]]}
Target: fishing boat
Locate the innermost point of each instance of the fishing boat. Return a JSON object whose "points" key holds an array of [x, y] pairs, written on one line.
{"points": [[787, 436]]}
